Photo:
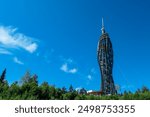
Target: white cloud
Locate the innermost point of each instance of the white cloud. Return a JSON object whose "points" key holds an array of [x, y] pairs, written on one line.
{"points": [[74, 70], [9, 38], [16, 60], [89, 77], [4, 51], [65, 68]]}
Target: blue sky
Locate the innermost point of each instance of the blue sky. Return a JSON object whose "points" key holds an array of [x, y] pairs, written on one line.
{"points": [[57, 40]]}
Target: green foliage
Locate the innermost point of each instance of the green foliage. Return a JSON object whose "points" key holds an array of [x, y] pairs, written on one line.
{"points": [[4, 90], [71, 89], [29, 89]]}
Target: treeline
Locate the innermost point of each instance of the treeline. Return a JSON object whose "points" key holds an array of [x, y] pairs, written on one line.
{"points": [[28, 88]]}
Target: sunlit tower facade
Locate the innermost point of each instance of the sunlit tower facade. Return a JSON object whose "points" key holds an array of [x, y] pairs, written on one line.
{"points": [[105, 60]]}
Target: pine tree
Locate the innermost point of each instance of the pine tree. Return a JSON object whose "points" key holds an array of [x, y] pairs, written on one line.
{"points": [[145, 89], [2, 78], [64, 90], [26, 78], [82, 91], [71, 88]]}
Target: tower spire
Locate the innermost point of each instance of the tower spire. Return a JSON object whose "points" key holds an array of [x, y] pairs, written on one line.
{"points": [[103, 29]]}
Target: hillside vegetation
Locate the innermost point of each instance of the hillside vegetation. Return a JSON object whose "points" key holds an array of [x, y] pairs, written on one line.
{"points": [[29, 89]]}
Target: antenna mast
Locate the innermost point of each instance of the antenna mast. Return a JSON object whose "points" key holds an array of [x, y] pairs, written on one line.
{"points": [[103, 29]]}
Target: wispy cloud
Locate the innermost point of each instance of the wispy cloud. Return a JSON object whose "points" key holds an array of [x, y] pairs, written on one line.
{"points": [[67, 60], [68, 65], [16, 60], [4, 51], [89, 77], [10, 38], [66, 69], [127, 86], [93, 71]]}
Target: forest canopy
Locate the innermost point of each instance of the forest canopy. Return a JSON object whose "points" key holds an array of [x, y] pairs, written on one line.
{"points": [[28, 88]]}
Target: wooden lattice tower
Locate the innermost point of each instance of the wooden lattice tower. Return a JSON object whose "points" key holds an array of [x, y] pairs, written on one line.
{"points": [[105, 60]]}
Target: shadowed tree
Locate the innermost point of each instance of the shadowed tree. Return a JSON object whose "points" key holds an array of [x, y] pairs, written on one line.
{"points": [[82, 91], [26, 78], [71, 88], [145, 89], [2, 78]]}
